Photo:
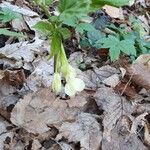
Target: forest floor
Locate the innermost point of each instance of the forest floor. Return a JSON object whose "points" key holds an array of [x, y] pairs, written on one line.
{"points": [[111, 113]]}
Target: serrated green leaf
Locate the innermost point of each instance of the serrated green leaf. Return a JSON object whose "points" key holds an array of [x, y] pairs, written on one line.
{"points": [[117, 3], [114, 53], [7, 15], [127, 46], [117, 46], [6, 32], [109, 41], [84, 27], [73, 9], [44, 26]]}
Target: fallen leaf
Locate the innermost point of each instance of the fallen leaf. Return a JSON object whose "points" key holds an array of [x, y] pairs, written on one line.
{"points": [[114, 12], [112, 81], [65, 146], [98, 75], [36, 145], [147, 134], [22, 52], [122, 139], [123, 72], [4, 134], [114, 106], [42, 75], [85, 130], [141, 71], [36, 111], [1, 74], [23, 11], [125, 89]]}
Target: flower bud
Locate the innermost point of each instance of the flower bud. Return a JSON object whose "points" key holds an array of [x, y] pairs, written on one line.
{"points": [[56, 84]]}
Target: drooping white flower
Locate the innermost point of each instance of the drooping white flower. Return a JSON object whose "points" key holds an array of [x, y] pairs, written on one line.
{"points": [[56, 84], [73, 86]]}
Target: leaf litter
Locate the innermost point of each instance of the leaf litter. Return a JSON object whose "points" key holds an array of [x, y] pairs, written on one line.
{"points": [[38, 119]]}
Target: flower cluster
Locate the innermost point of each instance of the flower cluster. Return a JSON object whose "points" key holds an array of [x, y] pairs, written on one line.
{"points": [[64, 69]]}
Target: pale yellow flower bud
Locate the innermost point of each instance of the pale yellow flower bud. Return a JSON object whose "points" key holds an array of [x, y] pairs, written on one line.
{"points": [[56, 84]]}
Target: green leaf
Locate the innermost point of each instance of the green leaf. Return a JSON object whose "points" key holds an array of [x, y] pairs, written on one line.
{"points": [[109, 41], [6, 32], [84, 27], [44, 26], [73, 9], [116, 46], [114, 53], [7, 15], [117, 3], [127, 46], [64, 32], [43, 2], [48, 2]]}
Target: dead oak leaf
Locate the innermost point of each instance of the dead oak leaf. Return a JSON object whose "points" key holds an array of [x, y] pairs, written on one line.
{"points": [[85, 130], [36, 111], [114, 106]]}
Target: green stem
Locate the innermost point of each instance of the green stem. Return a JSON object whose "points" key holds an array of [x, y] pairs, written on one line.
{"points": [[44, 8], [56, 63], [64, 58]]}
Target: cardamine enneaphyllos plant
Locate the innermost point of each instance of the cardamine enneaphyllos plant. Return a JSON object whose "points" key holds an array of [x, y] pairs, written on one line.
{"points": [[70, 13]]}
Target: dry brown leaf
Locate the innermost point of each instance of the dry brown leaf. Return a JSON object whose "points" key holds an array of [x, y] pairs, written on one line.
{"points": [[114, 107], [65, 146], [125, 89], [22, 52], [114, 12], [112, 81], [98, 75], [122, 139], [85, 130], [2, 74], [36, 145], [23, 11], [147, 134], [42, 75], [41, 109], [4, 134], [141, 71]]}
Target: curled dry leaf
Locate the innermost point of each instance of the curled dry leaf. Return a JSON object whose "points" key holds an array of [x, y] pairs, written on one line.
{"points": [[22, 52], [85, 130], [140, 70], [114, 12], [112, 81], [2, 74], [65, 146], [41, 109], [4, 134], [36, 145], [23, 11], [114, 107], [126, 89], [147, 134], [42, 75], [100, 74], [122, 139]]}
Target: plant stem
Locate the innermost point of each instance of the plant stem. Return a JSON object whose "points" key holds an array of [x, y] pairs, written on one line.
{"points": [[44, 8]]}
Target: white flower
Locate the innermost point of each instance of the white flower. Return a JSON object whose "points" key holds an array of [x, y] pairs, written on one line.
{"points": [[56, 84], [74, 85]]}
